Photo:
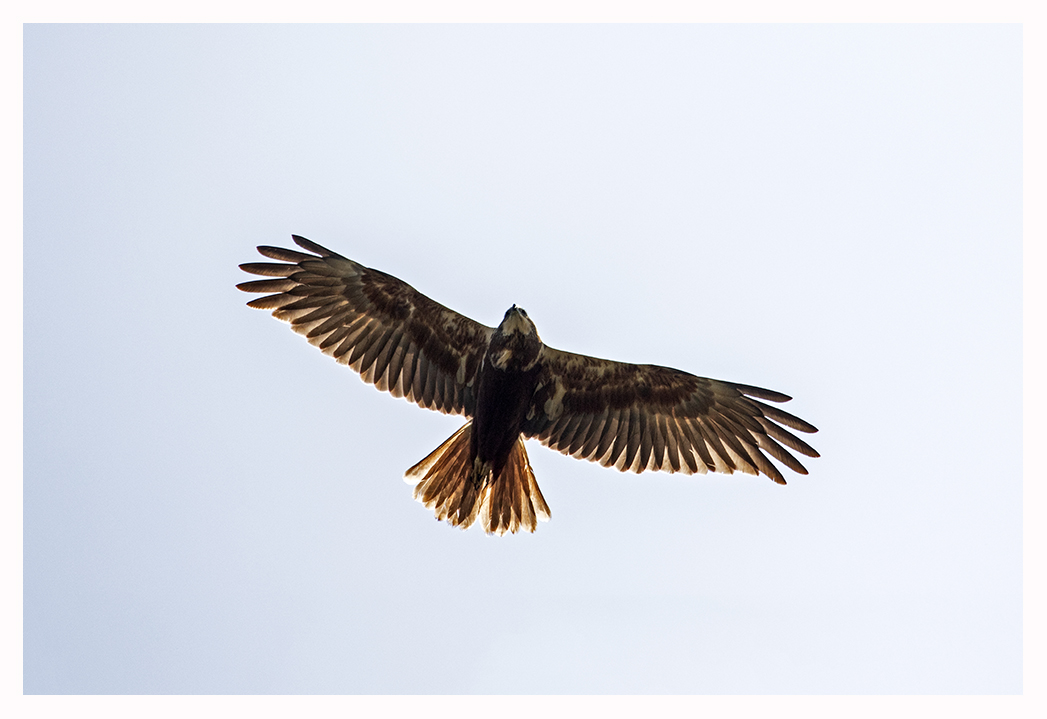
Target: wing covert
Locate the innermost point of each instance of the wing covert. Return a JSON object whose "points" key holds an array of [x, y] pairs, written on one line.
{"points": [[646, 417], [397, 338]]}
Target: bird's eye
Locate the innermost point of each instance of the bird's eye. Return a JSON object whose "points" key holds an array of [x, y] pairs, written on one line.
{"points": [[523, 312]]}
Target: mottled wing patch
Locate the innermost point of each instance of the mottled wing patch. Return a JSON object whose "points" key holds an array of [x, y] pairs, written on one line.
{"points": [[397, 338], [645, 417]]}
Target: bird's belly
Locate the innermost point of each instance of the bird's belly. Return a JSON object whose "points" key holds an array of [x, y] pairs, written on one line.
{"points": [[501, 405]]}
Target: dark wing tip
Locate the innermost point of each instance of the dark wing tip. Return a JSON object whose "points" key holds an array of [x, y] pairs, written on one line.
{"points": [[284, 255], [277, 285], [269, 302], [313, 247], [802, 425], [760, 392]]}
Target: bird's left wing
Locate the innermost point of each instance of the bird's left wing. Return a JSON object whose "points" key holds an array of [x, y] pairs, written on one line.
{"points": [[645, 417], [397, 338]]}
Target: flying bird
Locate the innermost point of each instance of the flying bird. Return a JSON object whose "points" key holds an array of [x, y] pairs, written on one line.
{"points": [[511, 387]]}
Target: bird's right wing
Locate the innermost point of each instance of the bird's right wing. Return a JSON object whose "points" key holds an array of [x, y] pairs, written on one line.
{"points": [[646, 417], [397, 338]]}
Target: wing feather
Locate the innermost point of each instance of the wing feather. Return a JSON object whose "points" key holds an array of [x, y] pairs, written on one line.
{"points": [[641, 417], [406, 377], [610, 431], [369, 363], [657, 426], [270, 302], [558, 428], [689, 449], [382, 357], [570, 433], [418, 385], [722, 459], [787, 438], [390, 363], [592, 435], [698, 443], [785, 418], [428, 398], [364, 340], [269, 269], [621, 441], [395, 337], [633, 445], [672, 446], [279, 253]]}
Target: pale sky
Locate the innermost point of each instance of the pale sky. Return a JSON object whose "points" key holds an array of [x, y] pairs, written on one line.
{"points": [[834, 212]]}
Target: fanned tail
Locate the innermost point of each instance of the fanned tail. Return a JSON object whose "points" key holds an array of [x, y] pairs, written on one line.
{"points": [[462, 493]]}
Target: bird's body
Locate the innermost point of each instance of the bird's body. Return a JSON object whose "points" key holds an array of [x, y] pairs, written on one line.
{"points": [[512, 387], [504, 394]]}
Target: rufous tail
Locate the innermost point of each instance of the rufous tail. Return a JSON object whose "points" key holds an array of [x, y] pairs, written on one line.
{"points": [[461, 493]]}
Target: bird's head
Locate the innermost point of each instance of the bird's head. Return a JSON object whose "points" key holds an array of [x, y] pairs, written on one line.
{"points": [[515, 344], [516, 321]]}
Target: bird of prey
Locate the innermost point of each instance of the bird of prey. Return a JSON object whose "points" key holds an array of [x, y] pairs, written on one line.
{"points": [[511, 387]]}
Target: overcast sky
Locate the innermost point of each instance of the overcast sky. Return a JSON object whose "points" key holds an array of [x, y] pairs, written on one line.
{"points": [[835, 212]]}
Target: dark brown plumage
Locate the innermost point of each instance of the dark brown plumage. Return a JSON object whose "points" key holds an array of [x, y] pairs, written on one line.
{"points": [[512, 387]]}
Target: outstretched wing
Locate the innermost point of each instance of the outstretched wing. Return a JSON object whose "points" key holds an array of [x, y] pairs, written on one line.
{"points": [[397, 338], [639, 417]]}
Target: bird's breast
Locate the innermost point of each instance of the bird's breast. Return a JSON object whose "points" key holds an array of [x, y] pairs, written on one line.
{"points": [[514, 352]]}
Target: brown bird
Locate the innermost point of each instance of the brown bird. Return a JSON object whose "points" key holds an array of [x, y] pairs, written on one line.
{"points": [[512, 387]]}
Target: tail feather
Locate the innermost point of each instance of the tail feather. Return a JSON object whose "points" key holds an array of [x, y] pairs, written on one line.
{"points": [[461, 493]]}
